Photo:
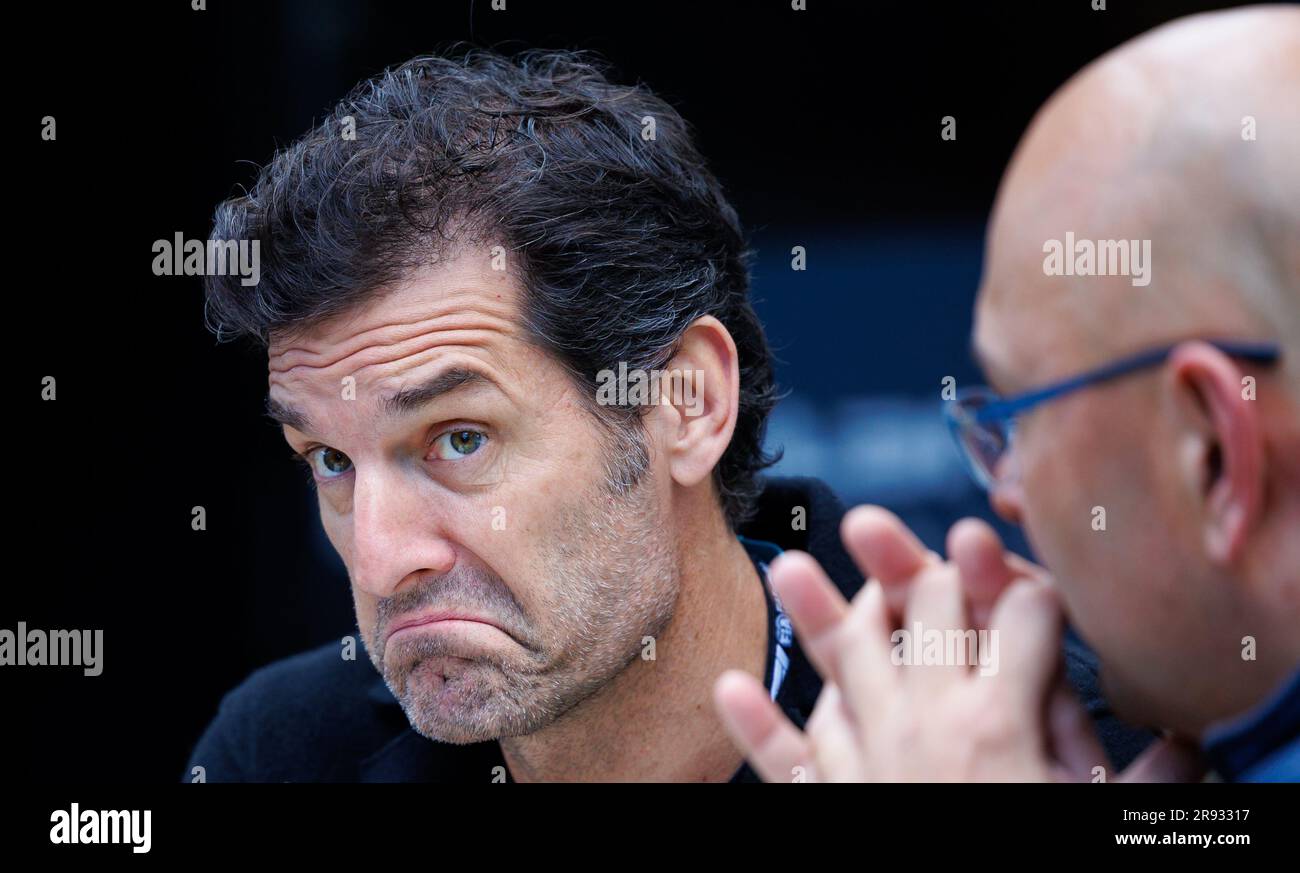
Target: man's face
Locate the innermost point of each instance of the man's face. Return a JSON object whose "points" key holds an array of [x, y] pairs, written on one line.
{"points": [[1092, 479], [499, 577]]}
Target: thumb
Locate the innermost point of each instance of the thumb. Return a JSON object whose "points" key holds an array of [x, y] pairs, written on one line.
{"points": [[1072, 741], [1171, 759]]}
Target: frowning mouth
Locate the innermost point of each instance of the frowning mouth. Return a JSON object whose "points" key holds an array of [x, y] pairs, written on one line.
{"points": [[431, 618]]}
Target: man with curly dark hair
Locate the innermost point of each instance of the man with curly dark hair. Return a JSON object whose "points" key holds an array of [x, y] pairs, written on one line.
{"points": [[505, 304]]}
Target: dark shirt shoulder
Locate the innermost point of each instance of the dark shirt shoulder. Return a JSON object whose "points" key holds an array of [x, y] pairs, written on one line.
{"points": [[311, 718]]}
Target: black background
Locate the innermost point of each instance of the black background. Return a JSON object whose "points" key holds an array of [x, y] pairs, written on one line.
{"points": [[824, 125]]}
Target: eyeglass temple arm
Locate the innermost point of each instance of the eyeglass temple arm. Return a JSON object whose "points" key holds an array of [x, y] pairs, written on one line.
{"points": [[1010, 406]]}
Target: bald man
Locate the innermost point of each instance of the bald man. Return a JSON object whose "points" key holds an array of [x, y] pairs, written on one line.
{"points": [[1139, 322]]}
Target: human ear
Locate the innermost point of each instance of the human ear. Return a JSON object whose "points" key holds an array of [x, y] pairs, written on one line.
{"points": [[699, 400], [1221, 451]]}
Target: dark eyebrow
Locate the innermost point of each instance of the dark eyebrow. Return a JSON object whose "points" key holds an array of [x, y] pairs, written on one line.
{"points": [[410, 399], [406, 400], [287, 415]]}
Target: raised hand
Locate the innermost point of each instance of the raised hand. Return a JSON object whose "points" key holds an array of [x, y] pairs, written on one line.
{"points": [[878, 719]]}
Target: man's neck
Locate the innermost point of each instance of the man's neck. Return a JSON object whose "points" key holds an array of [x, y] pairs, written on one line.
{"points": [[1251, 675], [655, 721]]}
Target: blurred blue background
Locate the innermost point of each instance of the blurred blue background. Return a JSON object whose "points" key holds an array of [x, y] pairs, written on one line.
{"points": [[864, 338]]}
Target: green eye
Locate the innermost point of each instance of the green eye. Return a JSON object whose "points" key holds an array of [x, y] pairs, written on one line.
{"points": [[456, 444], [328, 463]]}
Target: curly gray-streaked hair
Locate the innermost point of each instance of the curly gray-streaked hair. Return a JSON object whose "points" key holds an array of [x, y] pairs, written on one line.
{"points": [[620, 242]]}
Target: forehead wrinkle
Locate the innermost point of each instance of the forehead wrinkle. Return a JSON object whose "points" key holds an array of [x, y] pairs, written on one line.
{"points": [[390, 342], [410, 353], [386, 380], [392, 374]]}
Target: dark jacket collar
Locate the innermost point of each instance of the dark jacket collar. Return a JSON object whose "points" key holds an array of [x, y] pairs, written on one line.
{"points": [[1263, 744], [804, 514]]}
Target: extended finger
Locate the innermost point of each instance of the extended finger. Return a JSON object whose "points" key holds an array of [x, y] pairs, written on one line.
{"points": [[773, 746], [868, 675], [983, 564], [936, 612], [1025, 632], [815, 607], [884, 548]]}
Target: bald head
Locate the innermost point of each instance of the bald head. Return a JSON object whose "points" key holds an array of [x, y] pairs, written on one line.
{"points": [[1178, 148], [1186, 137]]}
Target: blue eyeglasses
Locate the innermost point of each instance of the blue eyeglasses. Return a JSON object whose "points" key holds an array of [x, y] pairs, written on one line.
{"points": [[983, 423]]}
